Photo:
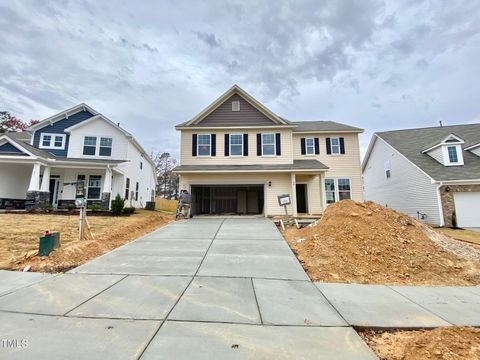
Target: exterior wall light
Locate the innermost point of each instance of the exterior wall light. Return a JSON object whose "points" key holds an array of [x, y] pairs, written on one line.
{"points": [[269, 184]]}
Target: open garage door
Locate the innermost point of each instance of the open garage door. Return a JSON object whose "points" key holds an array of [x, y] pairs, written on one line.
{"points": [[467, 209], [227, 199]]}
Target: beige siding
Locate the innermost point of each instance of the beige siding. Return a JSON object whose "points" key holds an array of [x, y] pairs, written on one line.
{"points": [[281, 184], [407, 190], [347, 165], [186, 157]]}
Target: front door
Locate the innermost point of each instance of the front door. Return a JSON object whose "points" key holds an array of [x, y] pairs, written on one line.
{"points": [[53, 188], [302, 198]]}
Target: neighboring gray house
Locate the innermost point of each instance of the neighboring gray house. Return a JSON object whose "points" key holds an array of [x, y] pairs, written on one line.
{"points": [[428, 173]]}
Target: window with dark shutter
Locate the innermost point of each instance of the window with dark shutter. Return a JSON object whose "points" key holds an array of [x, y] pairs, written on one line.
{"points": [[278, 144], [227, 144], [302, 146], [194, 144], [214, 145], [329, 149], [259, 144], [317, 146], [245, 144]]}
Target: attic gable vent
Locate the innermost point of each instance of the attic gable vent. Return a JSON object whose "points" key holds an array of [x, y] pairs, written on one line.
{"points": [[236, 105]]}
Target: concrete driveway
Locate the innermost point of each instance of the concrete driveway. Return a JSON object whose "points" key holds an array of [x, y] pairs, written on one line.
{"points": [[206, 288]]}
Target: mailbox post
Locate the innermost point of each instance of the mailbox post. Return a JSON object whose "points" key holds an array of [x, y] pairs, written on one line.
{"points": [[284, 200]]}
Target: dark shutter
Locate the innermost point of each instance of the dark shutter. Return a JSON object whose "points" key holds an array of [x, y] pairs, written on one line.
{"points": [[245, 144], [227, 144], [213, 145], [259, 144], [329, 148], [194, 144], [317, 146], [342, 146], [302, 146], [278, 144]]}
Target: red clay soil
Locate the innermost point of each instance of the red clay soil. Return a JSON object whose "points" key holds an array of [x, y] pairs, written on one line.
{"points": [[454, 343], [369, 244]]}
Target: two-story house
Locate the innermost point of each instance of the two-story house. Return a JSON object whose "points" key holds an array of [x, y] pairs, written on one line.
{"points": [[44, 164], [237, 157], [430, 173]]}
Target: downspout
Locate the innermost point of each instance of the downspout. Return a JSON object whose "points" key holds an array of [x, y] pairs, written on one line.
{"points": [[440, 207]]}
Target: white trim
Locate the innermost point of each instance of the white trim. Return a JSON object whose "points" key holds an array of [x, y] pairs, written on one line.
{"points": [[444, 142], [17, 145], [307, 200], [313, 146], [52, 141], [274, 145], [472, 147], [236, 89], [331, 146], [230, 145], [62, 115], [313, 171], [328, 132], [336, 190], [237, 127], [97, 147], [210, 146], [459, 153]]}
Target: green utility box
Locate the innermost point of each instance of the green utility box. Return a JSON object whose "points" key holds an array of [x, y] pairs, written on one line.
{"points": [[48, 243]]}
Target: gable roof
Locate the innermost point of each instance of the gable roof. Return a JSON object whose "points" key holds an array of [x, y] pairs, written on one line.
{"points": [[235, 89], [411, 143], [26, 148], [323, 126], [99, 117], [62, 115]]}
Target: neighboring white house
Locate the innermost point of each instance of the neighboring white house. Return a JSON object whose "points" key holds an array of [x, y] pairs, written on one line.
{"points": [[428, 173], [43, 164]]}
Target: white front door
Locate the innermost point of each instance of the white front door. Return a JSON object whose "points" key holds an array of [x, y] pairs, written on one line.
{"points": [[467, 209]]}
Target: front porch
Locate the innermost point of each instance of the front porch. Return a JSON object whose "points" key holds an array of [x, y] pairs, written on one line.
{"points": [[37, 185]]}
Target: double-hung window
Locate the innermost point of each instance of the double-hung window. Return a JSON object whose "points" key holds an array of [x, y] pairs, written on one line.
{"points": [[52, 141], [310, 146], [236, 145], [127, 188], [94, 187], [452, 154], [89, 145], [204, 146], [337, 189], [105, 146], [335, 145], [268, 144], [330, 190]]}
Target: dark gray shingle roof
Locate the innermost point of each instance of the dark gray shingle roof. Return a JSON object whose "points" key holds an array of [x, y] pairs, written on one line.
{"points": [[411, 143], [323, 126], [297, 165]]}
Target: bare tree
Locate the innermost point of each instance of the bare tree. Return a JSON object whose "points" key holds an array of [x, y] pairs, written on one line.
{"points": [[167, 180]]}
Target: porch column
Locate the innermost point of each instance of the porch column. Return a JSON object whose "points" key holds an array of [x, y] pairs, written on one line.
{"points": [[45, 187], [35, 178], [107, 189], [294, 195]]}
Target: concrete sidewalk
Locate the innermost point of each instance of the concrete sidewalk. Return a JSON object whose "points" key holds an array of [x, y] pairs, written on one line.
{"points": [[209, 288]]}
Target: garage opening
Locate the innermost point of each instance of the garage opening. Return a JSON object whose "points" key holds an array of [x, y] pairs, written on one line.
{"points": [[227, 199]]}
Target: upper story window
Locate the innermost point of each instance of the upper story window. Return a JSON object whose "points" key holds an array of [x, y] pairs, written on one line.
{"points": [[268, 144], [141, 165], [204, 146], [452, 154], [92, 146], [52, 141], [388, 169], [310, 146], [236, 105], [105, 146], [236, 145], [335, 145]]}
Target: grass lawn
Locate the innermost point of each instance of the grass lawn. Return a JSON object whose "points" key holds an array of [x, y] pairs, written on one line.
{"points": [[20, 234], [460, 234]]}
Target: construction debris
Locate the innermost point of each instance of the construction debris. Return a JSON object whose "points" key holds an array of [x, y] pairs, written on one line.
{"points": [[367, 243]]}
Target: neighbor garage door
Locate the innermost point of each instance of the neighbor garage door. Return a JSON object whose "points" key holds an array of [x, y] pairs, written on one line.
{"points": [[467, 208]]}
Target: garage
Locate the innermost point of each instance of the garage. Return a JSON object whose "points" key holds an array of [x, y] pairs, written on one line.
{"points": [[227, 199], [467, 209]]}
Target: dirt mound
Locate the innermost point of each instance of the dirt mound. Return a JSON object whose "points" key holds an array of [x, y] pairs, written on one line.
{"points": [[367, 243], [441, 343]]}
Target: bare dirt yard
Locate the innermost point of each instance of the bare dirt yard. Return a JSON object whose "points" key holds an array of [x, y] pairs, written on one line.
{"points": [[469, 236], [455, 343], [20, 234], [368, 244]]}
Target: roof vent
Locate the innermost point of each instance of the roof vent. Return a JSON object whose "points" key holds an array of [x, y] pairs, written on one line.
{"points": [[236, 105]]}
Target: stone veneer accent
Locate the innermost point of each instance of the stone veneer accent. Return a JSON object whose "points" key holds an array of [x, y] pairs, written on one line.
{"points": [[448, 204], [36, 199]]}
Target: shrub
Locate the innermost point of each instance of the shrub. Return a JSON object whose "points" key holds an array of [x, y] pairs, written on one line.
{"points": [[95, 207], [117, 205], [46, 207], [129, 210], [71, 207]]}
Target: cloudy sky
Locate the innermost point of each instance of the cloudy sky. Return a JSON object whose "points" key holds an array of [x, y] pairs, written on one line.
{"points": [[378, 65]]}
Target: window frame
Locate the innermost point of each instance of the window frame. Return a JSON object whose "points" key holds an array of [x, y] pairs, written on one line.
{"points": [[98, 146], [52, 141], [137, 188], [234, 108], [105, 147], [336, 191], [454, 147], [230, 145], [127, 188], [86, 179], [344, 191], [209, 145], [338, 146], [274, 145], [312, 146]]}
